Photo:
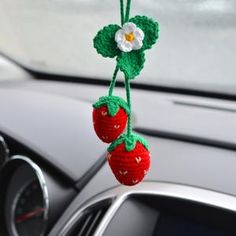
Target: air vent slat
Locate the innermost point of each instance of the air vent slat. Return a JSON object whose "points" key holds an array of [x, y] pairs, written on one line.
{"points": [[94, 223], [84, 226], [88, 222]]}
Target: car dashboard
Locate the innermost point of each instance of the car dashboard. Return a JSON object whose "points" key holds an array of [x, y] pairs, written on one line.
{"points": [[54, 178]]}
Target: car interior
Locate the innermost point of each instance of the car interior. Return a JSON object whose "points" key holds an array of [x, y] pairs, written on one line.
{"points": [[55, 178]]}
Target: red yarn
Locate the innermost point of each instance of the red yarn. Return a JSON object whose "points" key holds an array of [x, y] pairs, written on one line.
{"points": [[109, 128], [129, 167]]}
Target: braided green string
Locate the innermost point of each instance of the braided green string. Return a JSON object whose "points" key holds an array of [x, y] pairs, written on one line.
{"points": [[123, 19], [113, 81], [122, 12], [127, 10], [127, 88], [127, 81]]}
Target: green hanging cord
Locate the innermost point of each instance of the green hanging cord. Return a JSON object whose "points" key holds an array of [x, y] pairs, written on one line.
{"points": [[127, 10], [127, 81], [127, 87], [113, 81], [122, 12]]}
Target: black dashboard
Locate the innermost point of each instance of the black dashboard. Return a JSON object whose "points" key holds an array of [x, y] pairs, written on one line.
{"points": [[27, 202], [54, 178], [33, 196]]}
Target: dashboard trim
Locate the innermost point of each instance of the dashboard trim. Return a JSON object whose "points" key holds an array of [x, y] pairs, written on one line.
{"points": [[121, 193], [187, 138], [42, 183]]}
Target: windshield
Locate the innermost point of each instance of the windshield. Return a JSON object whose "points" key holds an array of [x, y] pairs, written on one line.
{"points": [[196, 48]]}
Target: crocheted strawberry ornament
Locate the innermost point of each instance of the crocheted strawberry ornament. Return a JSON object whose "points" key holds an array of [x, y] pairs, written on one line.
{"points": [[129, 159], [110, 115], [128, 155]]}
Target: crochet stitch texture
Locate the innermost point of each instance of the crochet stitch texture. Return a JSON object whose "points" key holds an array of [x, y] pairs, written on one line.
{"points": [[128, 153]]}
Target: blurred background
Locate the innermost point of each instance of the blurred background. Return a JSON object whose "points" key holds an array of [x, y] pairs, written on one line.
{"points": [[196, 48]]}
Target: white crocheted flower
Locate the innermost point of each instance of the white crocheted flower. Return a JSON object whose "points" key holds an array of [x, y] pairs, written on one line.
{"points": [[129, 37]]}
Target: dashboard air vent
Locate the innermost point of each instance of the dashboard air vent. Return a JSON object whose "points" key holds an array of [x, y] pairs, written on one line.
{"points": [[89, 220]]}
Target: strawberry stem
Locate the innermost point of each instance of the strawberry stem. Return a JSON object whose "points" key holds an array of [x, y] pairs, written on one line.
{"points": [[113, 81], [127, 87]]}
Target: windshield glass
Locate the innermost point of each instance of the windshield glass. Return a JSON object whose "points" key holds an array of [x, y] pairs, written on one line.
{"points": [[196, 48]]}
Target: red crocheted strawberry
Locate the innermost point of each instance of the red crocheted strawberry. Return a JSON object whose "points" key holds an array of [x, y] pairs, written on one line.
{"points": [[110, 116], [129, 159]]}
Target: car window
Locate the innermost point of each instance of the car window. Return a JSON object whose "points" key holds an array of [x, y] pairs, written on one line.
{"points": [[196, 48]]}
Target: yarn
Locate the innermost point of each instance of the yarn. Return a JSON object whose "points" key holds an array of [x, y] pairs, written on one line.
{"points": [[129, 141], [113, 81], [108, 128], [150, 29], [129, 167], [128, 97], [122, 12], [128, 154], [113, 104], [127, 10], [129, 37], [131, 63], [104, 41]]}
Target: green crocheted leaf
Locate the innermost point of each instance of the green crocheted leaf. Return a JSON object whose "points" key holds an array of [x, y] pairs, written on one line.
{"points": [[131, 63], [105, 43], [129, 141], [113, 104], [113, 108], [150, 29]]}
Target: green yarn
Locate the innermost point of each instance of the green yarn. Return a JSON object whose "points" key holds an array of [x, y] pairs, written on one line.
{"points": [[150, 29], [122, 12], [113, 104], [127, 10], [105, 43], [127, 87], [124, 18], [129, 141], [131, 63], [113, 81]]}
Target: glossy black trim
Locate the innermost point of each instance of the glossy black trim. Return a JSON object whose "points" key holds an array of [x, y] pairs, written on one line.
{"points": [[139, 86], [91, 172], [211, 107], [105, 82], [187, 138]]}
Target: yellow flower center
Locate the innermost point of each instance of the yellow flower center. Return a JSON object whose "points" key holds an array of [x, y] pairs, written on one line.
{"points": [[130, 37]]}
